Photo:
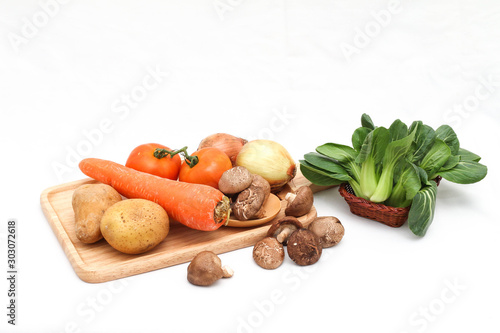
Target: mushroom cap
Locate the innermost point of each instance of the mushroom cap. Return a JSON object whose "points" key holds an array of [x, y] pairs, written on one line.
{"points": [[284, 226], [268, 253], [329, 230], [205, 269], [303, 247], [261, 182], [235, 180], [250, 200], [300, 202]]}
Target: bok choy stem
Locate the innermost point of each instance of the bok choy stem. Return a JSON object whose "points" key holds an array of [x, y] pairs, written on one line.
{"points": [[369, 177], [384, 186]]}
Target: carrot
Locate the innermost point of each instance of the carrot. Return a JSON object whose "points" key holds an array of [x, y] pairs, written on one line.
{"points": [[197, 206]]}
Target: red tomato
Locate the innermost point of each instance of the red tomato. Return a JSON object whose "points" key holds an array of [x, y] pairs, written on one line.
{"points": [[212, 162], [142, 159]]}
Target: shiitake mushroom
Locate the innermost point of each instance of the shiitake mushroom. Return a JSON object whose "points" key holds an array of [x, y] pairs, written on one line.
{"points": [[303, 247], [300, 202], [249, 203], [205, 269], [329, 230], [268, 253]]}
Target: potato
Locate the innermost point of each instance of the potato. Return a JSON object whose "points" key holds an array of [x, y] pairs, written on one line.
{"points": [[135, 225], [90, 201]]}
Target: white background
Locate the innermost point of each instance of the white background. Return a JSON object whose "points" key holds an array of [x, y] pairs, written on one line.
{"points": [[298, 72]]}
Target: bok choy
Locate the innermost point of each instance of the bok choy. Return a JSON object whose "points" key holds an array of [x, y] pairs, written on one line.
{"points": [[396, 166]]}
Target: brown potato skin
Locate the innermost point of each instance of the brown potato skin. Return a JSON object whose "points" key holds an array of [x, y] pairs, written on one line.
{"points": [[135, 226], [89, 202]]}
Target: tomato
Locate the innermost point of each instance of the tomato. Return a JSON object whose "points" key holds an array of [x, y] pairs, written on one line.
{"points": [[212, 162], [142, 159]]}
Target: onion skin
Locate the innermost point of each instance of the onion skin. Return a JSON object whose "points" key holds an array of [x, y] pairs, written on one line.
{"points": [[270, 160], [229, 144]]}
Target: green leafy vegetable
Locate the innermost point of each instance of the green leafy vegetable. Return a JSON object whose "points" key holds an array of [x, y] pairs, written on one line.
{"points": [[358, 137], [435, 158], [327, 164], [317, 176], [422, 209], [466, 155], [344, 156], [367, 122], [341, 153], [395, 166], [424, 139], [465, 172], [407, 184], [398, 130], [394, 153], [371, 155], [448, 135], [451, 162]]}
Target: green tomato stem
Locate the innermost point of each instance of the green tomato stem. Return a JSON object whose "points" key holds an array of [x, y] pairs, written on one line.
{"points": [[191, 160]]}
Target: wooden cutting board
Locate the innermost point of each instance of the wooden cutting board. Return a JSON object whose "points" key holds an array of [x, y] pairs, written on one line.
{"points": [[99, 262]]}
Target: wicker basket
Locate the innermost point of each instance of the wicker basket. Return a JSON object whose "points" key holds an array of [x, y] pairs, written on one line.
{"points": [[391, 216]]}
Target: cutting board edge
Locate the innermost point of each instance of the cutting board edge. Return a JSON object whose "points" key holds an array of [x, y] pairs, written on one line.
{"points": [[58, 229], [93, 273]]}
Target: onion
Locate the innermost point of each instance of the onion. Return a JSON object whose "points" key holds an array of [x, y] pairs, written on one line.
{"points": [[229, 144], [268, 159]]}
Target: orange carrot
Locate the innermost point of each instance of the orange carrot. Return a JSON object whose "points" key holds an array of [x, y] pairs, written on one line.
{"points": [[197, 206]]}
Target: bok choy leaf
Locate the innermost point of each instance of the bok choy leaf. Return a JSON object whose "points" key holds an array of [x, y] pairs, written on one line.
{"points": [[422, 209], [465, 172], [318, 176], [437, 156], [407, 184], [394, 153], [370, 156]]}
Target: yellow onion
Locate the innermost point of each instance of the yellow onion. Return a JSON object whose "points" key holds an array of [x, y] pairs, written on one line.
{"points": [[268, 159], [229, 144]]}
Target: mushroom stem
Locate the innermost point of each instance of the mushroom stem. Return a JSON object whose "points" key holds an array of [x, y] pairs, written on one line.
{"points": [[290, 196], [283, 228], [227, 272], [283, 235]]}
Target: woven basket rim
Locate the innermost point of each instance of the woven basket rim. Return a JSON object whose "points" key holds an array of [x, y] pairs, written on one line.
{"points": [[354, 199], [351, 197], [391, 216]]}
